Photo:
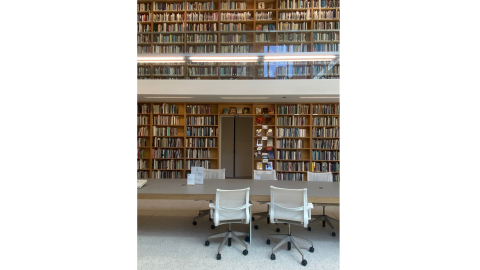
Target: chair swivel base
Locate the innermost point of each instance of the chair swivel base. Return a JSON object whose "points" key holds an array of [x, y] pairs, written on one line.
{"points": [[263, 215], [325, 219], [289, 239], [203, 213], [227, 236]]}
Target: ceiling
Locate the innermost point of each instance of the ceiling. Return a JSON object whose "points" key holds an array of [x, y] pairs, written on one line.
{"points": [[238, 98]]}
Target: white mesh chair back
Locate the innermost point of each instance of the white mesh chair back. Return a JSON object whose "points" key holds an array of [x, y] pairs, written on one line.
{"points": [[232, 205], [264, 175], [213, 173], [320, 176], [289, 204]]}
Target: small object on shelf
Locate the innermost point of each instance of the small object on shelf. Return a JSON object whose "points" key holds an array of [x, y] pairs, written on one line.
{"points": [[269, 166], [259, 73], [233, 110], [261, 5], [270, 6], [265, 110], [270, 132], [259, 142], [271, 110], [259, 120], [225, 111], [258, 154], [246, 110], [258, 110], [239, 111], [259, 132], [271, 26], [259, 166], [268, 121]]}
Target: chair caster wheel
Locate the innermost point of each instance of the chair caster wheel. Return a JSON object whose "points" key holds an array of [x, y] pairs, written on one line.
{"points": [[277, 230], [253, 218], [213, 227], [333, 234], [289, 246], [256, 227], [247, 239], [219, 256], [309, 228], [229, 242], [272, 257], [194, 222], [245, 252], [207, 243], [268, 241], [311, 249], [323, 223], [268, 220], [304, 262]]}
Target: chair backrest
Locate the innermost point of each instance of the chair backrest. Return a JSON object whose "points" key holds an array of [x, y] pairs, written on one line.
{"points": [[232, 205], [320, 176], [289, 204], [264, 175], [213, 173]]}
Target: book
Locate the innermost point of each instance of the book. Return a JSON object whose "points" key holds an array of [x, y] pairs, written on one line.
{"points": [[270, 132], [260, 73], [258, 154], [259, 166], [265, 110], [271, 110], [239, 111], [258, 110], [268, 121], [258, 26], [270, 142], [269, 166], [246, 110], [264, 154], [270, 6], [259, 132], [270, 154], [259, 120], [269, 148], [225, 111], [271, 26], [261, 5], [259, 142]]}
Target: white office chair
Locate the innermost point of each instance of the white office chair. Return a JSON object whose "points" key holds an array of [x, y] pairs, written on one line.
{"points": [[209, 174], [231, 206], [263, 175], [289, 206], [325, 177]]}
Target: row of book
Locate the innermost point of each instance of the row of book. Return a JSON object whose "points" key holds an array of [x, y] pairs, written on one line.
{"points": [[143, 108], [233, 38], [291, 132], [202, 71], [142, 142], [202, 38], [203, 131], [142, 131], [165, 109], [198, 163], [295, 15], [326, 109], [198, 153], [233, 5], [264, 15], [319, 47], [292, 37], [281, 71], [263, 38], [143, 7], [291, 121], [290, 176], [142, 164], [199, 109], [325, 25], [168, 49], [287, 154], [301, 166], [144, 49], [326, 14], [142, 120], [326, 3], [234, 71], [326, 132], [166, 153], [293, 4], [165, 131], [201, 142], [174, 164], [235, 49], [301, 71], [166, 120], [172, 71], [168, 17], [143, 38], [326, 144], [235, 16], [142, 174], [292, 26], [326, 70], [141, 153], [331, 36], [169, 6], [168, 38], [201, 6], [325, 121], [202, 120], [167, 142], [233, 27], [326, 166], [290, 143], [293, 109], [167, 174], [143, 17], [202, 49], [325, 155], [198, 17]]}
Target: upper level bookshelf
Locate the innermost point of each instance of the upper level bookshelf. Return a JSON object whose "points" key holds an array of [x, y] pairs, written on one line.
{"points": [[248, 26]]}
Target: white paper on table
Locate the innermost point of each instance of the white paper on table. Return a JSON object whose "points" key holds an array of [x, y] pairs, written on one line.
{"points": [[190, 179], [198, 172]]}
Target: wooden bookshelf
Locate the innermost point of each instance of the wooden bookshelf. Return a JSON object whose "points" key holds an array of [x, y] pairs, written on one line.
{"points": [[319, 141], [306, 39]]}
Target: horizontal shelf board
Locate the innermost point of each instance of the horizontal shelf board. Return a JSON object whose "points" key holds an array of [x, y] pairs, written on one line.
{"points": [[168, 169], [294, 126], [329, 149], [143, 169], [201, 158], [294, 171], [191, 114], [316, 160], [159, 147], [244, 31], [202, 125], [325, 138], [202, 136], [143, 136], [168, 75], [294, 148], [292, 137], [176, 136], [293, 159], [167, 125], [201, 147], [167, 158], [231, 43], [167, 114]]}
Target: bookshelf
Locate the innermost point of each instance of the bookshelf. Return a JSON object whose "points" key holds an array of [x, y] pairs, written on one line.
{"points": [[295, 138], [205, 27]]}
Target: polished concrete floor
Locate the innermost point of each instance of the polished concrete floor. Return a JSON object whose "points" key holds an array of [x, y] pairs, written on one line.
{"points": [[166, 239]]}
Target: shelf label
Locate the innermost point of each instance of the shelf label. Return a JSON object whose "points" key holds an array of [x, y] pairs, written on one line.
{"points": [[264, 138], [265, 160], [259, 148], [264, 127]]}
